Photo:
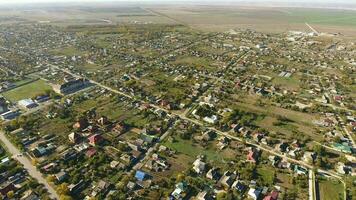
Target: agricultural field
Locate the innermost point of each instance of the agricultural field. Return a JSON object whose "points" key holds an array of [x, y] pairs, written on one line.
{"points": [[262, 19]]}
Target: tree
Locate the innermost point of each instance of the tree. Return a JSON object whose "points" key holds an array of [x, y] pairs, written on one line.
{"points": [[51, 179], [180, 177], [10, 194], [65, 197], [62, 189], [320, 150], [224, 196]]}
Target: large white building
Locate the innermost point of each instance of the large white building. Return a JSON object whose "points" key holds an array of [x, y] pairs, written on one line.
{"points": [[70, 86], [27, 103]]}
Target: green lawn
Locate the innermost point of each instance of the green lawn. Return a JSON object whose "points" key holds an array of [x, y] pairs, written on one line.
{"points": [[331, 190], [266, 173], [68, 51], [27, 91], [187, 147]]}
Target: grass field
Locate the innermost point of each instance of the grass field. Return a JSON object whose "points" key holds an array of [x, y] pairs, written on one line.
{"points": [[27, 91], [187, 147], [273, 19], [331, 190], [266, 173]]}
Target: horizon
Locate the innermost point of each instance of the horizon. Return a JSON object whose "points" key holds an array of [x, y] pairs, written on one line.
{"points": [[222, 2]]}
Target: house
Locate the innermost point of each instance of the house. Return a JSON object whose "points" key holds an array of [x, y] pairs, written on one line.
{"points": [[119, 128], [341, 168], [76, 188], [254, 193], [204, 195], [212, 119], [29, 195], [27, 103], [103, 120], [131, 186], [223, 142], [49, 167], [228, 179], [95, 139], [81, 124], [282, 147], [273, 196], [101, 188], [213, 174], [74, 137], [61, 176], [342, 147], [300, 170], [90, 152], [309, 157], [10, 114], [42, 98], [42, 150], [252, 155], [199, 166], [239, 186], [140, 175], [180, 190], [7, 188], [3, 105], [5, 161]]}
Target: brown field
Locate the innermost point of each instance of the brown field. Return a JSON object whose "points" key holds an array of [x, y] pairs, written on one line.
{"points": [[205, 18], [220, 18]]}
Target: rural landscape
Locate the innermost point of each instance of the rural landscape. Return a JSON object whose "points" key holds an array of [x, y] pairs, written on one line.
{"points": [[153, 100]]}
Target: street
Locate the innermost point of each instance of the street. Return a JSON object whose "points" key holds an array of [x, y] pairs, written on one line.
{"points": [[32, 170]]}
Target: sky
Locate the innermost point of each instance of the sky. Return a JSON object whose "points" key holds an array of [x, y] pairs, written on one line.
{"points": [[333, 2], [46, 1]]}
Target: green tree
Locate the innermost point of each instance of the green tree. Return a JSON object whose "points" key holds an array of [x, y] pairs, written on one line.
{"points": [[62, 189], [10, 194]]}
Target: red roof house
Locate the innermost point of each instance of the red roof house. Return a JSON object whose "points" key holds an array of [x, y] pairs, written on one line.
{"points": [[272, 196], [91, 152], [95, 139], [252, 156]]}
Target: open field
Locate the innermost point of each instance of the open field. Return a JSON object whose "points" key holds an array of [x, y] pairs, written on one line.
{"points": [[330, 190], [88, 15], [206, 18], [262, 19], [27, 91]]}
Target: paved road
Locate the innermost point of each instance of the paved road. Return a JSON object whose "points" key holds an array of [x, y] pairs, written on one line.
{"points": [[32, 170], [312, 189]]}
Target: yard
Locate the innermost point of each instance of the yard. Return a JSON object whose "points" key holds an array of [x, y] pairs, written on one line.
{"points": [[191, 149], [29, 90], [330, 189]]}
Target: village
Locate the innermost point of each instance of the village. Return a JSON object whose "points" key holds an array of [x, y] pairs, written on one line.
{"points": [[166, 112]]}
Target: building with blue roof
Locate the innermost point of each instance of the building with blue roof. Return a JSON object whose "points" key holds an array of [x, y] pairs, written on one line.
{"points": [[140, 175]]}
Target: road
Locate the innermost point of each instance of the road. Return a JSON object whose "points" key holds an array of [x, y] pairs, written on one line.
{"points": [[335, 150], [32, 170], [226, 134], [312, 188], [151, 150], [344, 127], [312, 29]]}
